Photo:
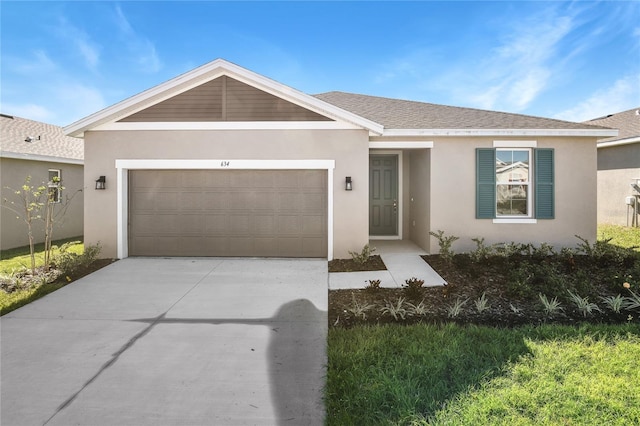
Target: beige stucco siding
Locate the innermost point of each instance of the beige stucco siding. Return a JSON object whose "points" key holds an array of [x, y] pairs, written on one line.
{"points": [[453, 195], [617, 166], [13, 231], [349, 149], [419, 197]]}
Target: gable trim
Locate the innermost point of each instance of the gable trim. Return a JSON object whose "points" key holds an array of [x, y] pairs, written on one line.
{"points": [[37, 157], [206, 73]]}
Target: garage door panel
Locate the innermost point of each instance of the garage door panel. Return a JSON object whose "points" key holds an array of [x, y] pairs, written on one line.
{"points": [[280, 213]]}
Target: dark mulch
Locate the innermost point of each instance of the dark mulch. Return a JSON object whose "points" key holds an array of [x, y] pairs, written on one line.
{"points": [[374, 263], [511, 302]]}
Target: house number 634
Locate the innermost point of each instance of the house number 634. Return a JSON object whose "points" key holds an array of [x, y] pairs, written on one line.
{"points": [[224, 164]]}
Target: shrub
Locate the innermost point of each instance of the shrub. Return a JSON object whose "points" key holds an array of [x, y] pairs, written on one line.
{"points": [[374, 285], [456, 308], [445, 243], [362, 257], [413, 288], [69, 263], [551, 307], [583, 304], [614, 303], [397, 310], [482, 251], [482, 304]]}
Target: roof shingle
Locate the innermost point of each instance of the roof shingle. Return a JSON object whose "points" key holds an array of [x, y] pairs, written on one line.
{"points": [[52, 143], [627, 122], [403, 114]]}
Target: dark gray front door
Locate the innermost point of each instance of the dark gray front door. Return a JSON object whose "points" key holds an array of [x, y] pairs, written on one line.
{"points": [[383, 195]]}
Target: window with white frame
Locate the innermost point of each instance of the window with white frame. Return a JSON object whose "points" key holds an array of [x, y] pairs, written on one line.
{"points": [[513, 182], [55, 186]]}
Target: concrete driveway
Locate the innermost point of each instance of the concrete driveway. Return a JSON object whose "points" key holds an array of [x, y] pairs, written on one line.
{"points": [[179, 341]]}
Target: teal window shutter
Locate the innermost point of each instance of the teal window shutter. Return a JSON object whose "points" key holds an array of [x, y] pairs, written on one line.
{"points": [[485, 183], [544, 183]]}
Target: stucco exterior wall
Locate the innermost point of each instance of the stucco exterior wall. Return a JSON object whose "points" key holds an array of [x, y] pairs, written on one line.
{"points": [[349, 149], [13, 231], [419, 197], [617, 166], [453, 195]]}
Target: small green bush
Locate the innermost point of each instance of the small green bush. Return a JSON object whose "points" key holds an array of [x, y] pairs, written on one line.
{"points": [[445, 243], [70, 263], [363, 256]]}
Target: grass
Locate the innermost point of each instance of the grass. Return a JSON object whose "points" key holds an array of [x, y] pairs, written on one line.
{"points": [[459, 375], [15, 259], [621, 235]]}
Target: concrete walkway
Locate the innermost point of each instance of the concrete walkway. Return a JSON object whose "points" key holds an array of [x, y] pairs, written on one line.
{"points": [[171, 342], [403, 262]]}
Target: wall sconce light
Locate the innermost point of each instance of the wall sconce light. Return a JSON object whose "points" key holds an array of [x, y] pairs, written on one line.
{"points": [[100, 183], [347, 184]]}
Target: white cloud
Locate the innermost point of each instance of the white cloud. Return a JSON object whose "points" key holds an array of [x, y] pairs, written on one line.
{"points": [[81, 41], [141, 48], [622, 95]]}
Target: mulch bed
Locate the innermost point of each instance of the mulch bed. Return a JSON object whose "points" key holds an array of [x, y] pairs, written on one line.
{"points": [[466, 282], [374, 263]]}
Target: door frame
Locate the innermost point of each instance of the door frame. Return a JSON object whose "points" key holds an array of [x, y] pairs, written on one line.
{"points": [[124, 165], [398, 154]]}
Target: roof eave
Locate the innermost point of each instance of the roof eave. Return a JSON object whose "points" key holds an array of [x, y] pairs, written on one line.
{"points": [[207, 73], [626, 141], [599, 133]]}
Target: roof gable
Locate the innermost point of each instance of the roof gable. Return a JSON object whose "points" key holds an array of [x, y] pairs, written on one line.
{"points": [[198, 78], [225, 99]]}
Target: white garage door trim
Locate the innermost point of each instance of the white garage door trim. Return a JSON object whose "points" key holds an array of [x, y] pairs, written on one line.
{"points": [[123, 166]]}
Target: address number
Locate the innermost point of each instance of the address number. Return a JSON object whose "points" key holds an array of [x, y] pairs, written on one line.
{"points": [[224, 164]]}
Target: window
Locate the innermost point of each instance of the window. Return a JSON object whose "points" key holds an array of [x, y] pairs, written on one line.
{"points": [[507, 187], [513, 177], [55, 188]]}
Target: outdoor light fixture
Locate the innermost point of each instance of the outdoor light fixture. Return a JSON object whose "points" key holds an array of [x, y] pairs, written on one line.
{"points": [[347, 184], [100, 183]]}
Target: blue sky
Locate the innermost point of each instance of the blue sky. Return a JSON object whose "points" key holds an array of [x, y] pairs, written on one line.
{"points": [[61, 61]]}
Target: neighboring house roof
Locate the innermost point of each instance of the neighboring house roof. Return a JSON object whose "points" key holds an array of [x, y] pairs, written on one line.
{"points": [[628, 124], [403, 114], [48, 142]]}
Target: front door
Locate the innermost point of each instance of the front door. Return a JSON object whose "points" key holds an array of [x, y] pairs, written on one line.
{"points": [[383, 195]]}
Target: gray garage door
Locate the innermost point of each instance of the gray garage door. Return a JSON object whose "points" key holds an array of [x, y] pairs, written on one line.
{"points": [[271, 213]]}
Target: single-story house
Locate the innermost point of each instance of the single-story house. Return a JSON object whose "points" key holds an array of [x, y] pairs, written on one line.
{"points": [[42, 151], [221, 161], [619, 168]]}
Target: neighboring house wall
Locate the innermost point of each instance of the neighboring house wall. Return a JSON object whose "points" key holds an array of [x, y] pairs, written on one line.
{"points": [[349, 149], [617, 166], [12, 175], [453, 195]]}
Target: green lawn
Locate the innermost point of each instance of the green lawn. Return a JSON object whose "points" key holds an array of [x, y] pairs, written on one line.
{"points": [[457, 375], [14, 260], [621, 235]]}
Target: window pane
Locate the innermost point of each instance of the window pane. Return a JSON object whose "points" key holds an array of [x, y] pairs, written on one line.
{"points": [[512, 200]]}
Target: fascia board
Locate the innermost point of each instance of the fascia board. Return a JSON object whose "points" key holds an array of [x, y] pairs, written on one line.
{"points": [[627, 141], [206, 73], [500, 132], [36, 157]]}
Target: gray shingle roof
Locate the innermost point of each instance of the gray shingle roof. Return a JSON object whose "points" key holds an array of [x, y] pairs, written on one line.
{"points": [[627, 122], [403, 114], [53, 142]]}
